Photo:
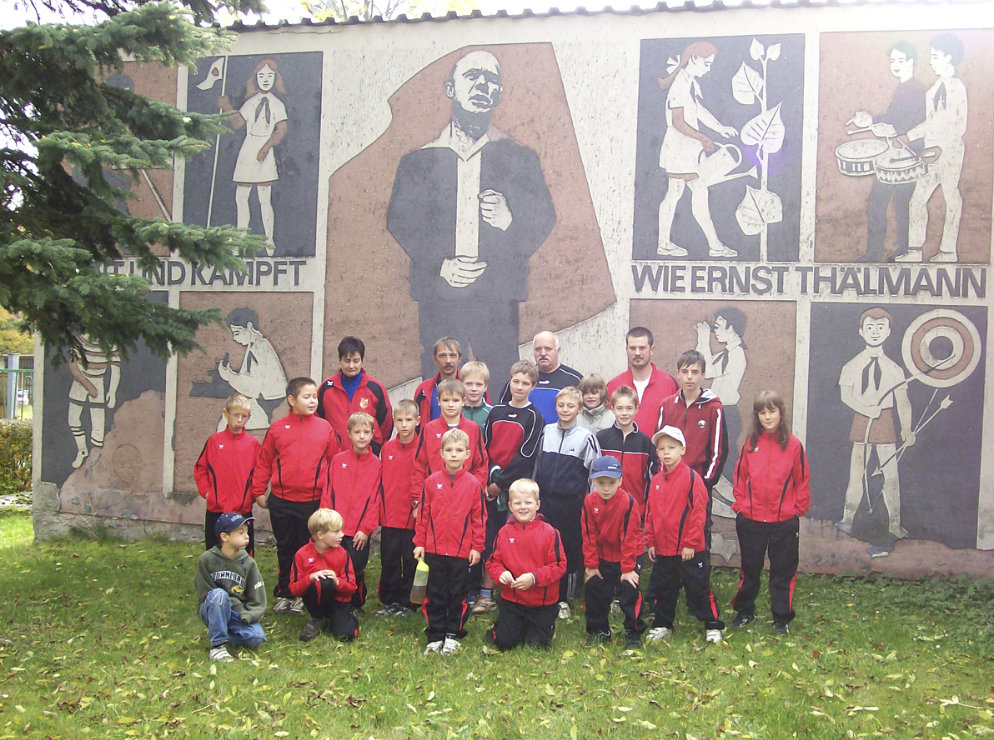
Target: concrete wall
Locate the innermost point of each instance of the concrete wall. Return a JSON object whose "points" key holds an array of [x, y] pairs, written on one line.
{"points": [[776, 225]]}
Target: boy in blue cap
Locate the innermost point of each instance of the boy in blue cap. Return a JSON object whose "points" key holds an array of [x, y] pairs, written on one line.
{"points": [[612, 545], [230, 588]]}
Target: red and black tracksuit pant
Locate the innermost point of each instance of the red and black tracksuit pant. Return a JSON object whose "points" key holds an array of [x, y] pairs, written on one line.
{"points": [[671, 572], [600, 592], [289, 522], [445, 607], [359, 560], [397, 565], [517, 624], [319, 598], [779, 540]]}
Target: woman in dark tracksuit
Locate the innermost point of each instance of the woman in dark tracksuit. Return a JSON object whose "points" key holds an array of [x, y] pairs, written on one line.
{"points": [[771, 494]]}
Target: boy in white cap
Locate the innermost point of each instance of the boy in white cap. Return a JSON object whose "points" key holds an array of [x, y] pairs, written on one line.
{"points": [[675, 520]]}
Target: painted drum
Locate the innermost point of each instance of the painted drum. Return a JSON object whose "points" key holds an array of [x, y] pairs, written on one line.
{"points": [[856, 157], [898, 167]]}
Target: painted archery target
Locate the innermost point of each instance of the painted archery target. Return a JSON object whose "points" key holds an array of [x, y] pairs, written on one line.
{"points": [[942, 347]]}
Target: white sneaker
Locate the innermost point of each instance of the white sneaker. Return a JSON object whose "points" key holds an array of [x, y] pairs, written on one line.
{"points": [[221, 653], [943, 257], [722, 251], [713, 636], [564, 611], [282, 605], [450, 646], [297, 606], [657, 634], [666, 249], [434, 647], [912, 255]]}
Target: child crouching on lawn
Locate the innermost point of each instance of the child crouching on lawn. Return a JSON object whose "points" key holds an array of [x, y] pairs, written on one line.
{"points": [[612, 545], [528, 561], [675, 521], [230, 588], [449, 536], [323, 576]]}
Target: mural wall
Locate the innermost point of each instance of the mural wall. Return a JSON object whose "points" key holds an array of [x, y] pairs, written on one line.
{"points": [[807, 205]]}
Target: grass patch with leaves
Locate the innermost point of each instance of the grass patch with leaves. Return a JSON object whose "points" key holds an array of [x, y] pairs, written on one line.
{"points": [[102, 639]]}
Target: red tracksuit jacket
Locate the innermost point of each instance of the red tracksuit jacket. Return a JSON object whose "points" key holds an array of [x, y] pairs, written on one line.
{"points": [[676, 511], [611, 530], [370, 397], [772, 485], [355, 491], [396, 469], [428, 458], [223, 471], [452, 515], [308, 560], [661, 385], [703, 424], [296, 455], [529, 547], [637, 456]]}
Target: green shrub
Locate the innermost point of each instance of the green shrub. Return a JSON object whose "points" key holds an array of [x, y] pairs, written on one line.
{"points": [[15, 456]]}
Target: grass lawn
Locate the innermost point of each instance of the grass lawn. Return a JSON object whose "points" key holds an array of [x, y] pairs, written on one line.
{"points": [[102, 639]]}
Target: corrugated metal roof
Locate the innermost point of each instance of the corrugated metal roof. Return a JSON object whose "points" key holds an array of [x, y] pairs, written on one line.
{"points": [[695, 6]]}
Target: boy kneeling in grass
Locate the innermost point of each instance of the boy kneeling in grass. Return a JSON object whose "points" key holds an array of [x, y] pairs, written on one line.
{"points": [[528, 561], [323, 576], [230, 588]]}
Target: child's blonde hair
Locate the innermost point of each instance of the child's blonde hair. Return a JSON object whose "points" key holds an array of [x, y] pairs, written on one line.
{"points": [[625, 391], [360, 418], [406, 406], [524, 487], [324, 520], [475, 368], [237, 401], [455, 435], [525, 367], [571, 391], [594, 383], [451, 385]]}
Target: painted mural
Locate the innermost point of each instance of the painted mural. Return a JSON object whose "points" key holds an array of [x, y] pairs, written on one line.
{"points": [[895, 450], [719, 148], [264, 177], [476, 206], [807, 205], [904, 152], [103, 435]]}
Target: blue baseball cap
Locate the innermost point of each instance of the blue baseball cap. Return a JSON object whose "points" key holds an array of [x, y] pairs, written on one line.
{"points": [[606, 467], [230, 522]]}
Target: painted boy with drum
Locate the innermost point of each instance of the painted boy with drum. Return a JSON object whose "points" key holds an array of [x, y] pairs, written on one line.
{"points": [[943, 130], [906, 110]]}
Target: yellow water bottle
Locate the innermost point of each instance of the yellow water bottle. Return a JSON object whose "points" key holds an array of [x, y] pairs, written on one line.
{"points": [[420, 583]]}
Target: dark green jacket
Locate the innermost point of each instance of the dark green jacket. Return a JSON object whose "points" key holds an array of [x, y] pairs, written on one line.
{"points": [[239, 576]]}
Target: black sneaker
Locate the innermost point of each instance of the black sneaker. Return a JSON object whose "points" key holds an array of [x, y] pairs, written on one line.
{"points": [[598, 638], [633, 641], [312, 629], [742, 619], [781, 628], [388, 610]]}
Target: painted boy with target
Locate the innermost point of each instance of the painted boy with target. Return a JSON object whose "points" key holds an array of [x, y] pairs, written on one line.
{"points": [[874, 387]]}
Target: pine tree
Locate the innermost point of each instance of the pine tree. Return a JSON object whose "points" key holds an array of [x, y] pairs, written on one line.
{"points": [[58, 114]]}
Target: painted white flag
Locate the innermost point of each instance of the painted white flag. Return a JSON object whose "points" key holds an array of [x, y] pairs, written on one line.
{"points": [[214, 75]]}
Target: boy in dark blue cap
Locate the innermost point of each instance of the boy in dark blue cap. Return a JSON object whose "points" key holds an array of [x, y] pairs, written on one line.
{"points": [[612, 544], [230, 588]]}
